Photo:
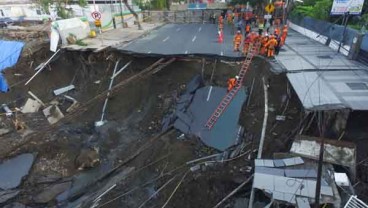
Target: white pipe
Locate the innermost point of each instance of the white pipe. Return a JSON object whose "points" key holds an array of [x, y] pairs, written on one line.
{"points": [[42, 67]]}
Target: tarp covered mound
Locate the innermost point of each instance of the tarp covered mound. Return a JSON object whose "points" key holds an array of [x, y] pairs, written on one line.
{"points": [[9, 54]]}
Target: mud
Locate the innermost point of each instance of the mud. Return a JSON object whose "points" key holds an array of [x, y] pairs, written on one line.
{"points": [[134, 115]]}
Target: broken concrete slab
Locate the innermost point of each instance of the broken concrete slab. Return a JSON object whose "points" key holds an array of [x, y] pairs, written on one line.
{"points": [[194, 84], [31, 106], [4, 131], [8, 194], [51, 192], [13, 170], [53, 114]]}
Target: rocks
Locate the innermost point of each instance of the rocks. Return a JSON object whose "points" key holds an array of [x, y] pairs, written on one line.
{"points": [[13, 170], [88, 158], [53, 114], [51, 192], [4, 131]]}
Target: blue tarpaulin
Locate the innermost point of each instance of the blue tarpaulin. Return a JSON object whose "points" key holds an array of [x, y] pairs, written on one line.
{"points": [[9, 54]]}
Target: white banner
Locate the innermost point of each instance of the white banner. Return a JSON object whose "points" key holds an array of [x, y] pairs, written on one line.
{"points": [[340, 7]]}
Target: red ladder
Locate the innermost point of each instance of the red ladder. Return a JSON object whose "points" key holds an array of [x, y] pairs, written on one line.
{"points": [[231, 94]]}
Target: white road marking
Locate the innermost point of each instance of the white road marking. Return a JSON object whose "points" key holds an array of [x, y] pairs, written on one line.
{"points": [[194, 38], [209, 94], [186, 52], [177, 30], [167, 38], [222, 53], [200, 28]]}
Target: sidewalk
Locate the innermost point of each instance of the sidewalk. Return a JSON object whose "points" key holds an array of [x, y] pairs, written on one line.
{"points": [[113, 37], [301, 53], [322, 78]]}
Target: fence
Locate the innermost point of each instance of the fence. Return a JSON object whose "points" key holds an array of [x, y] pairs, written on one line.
{"points": [[335, 33], [188, 16]]}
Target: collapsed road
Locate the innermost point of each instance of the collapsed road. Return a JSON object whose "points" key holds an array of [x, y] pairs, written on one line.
{"points": [[152, 147]]}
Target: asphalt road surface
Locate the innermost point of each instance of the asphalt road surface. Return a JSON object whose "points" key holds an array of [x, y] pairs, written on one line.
{"points": [[184, 40]]}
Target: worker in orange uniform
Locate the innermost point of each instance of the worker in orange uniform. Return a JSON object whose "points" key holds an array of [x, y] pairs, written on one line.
{"points": [[284, 34], [272, 42], [231, 83], [247, 41], [264, 41], [247, 29], [253, 40], [276, 31], [237, 40]]}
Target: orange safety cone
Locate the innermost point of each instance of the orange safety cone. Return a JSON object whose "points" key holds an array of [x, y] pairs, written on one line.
{"points": [[220, 37]]}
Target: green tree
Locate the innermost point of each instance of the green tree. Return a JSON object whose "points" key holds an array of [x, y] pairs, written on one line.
{"points": [[60, 6]]}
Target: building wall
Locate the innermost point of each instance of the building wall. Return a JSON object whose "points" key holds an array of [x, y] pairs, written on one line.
{"points": [[108, 13]]}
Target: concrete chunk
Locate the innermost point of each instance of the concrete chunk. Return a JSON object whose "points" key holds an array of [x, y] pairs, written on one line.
{"points": [[31, 106], [13, 170], [53, 114]]}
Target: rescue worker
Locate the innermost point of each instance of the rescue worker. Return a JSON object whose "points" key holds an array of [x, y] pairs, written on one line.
{"points": [[284, 34], [254, 38], [220, 20], [237, 40], [264, 41], [276, 31], [247, 29], [260, 27], [247, 41], [229, 18], [271, 44], [278, 45], [231, 83]]}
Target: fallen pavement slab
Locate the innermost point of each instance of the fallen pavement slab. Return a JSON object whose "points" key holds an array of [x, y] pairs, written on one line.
{"points": [[51, 192], [8, 194], [15, 205], [13, 170]]}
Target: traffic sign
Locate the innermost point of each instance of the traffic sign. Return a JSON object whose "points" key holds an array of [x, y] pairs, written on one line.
{"points": [[268, 16], [96, 15], [269, 8]]}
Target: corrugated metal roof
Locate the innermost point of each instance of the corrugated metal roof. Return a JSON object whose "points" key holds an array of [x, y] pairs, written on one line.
{"points": [[329, 90]]}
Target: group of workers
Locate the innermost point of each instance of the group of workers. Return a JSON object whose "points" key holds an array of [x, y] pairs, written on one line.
{"points": [[268, 45]]}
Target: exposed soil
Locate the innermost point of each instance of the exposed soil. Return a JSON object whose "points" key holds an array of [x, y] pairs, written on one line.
{"points": [[134, 115]]}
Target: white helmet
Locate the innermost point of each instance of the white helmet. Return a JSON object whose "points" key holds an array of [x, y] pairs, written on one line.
{"points": [[236, 77]]}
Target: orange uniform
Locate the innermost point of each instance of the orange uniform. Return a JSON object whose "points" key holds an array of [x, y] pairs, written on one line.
{"points": [[264, 41], [231, 84], [237, 41], [247, 29], [277, 31], [247, 42], [271, 46], [284, 35]]}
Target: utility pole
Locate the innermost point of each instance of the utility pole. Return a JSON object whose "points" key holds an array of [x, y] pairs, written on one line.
{"points": [[345, 23], [320, 160]]}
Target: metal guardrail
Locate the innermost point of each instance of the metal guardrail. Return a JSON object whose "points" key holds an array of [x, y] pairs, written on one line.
{"points": [[188, 16], [354, 202]]}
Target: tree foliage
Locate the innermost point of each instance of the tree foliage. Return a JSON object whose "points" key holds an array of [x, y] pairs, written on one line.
{"points": [[318, 9], [60, 6]]}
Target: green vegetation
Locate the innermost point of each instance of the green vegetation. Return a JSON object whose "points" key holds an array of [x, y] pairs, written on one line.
{"points": [[153, 4], [320, 9], [60, 7]]}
